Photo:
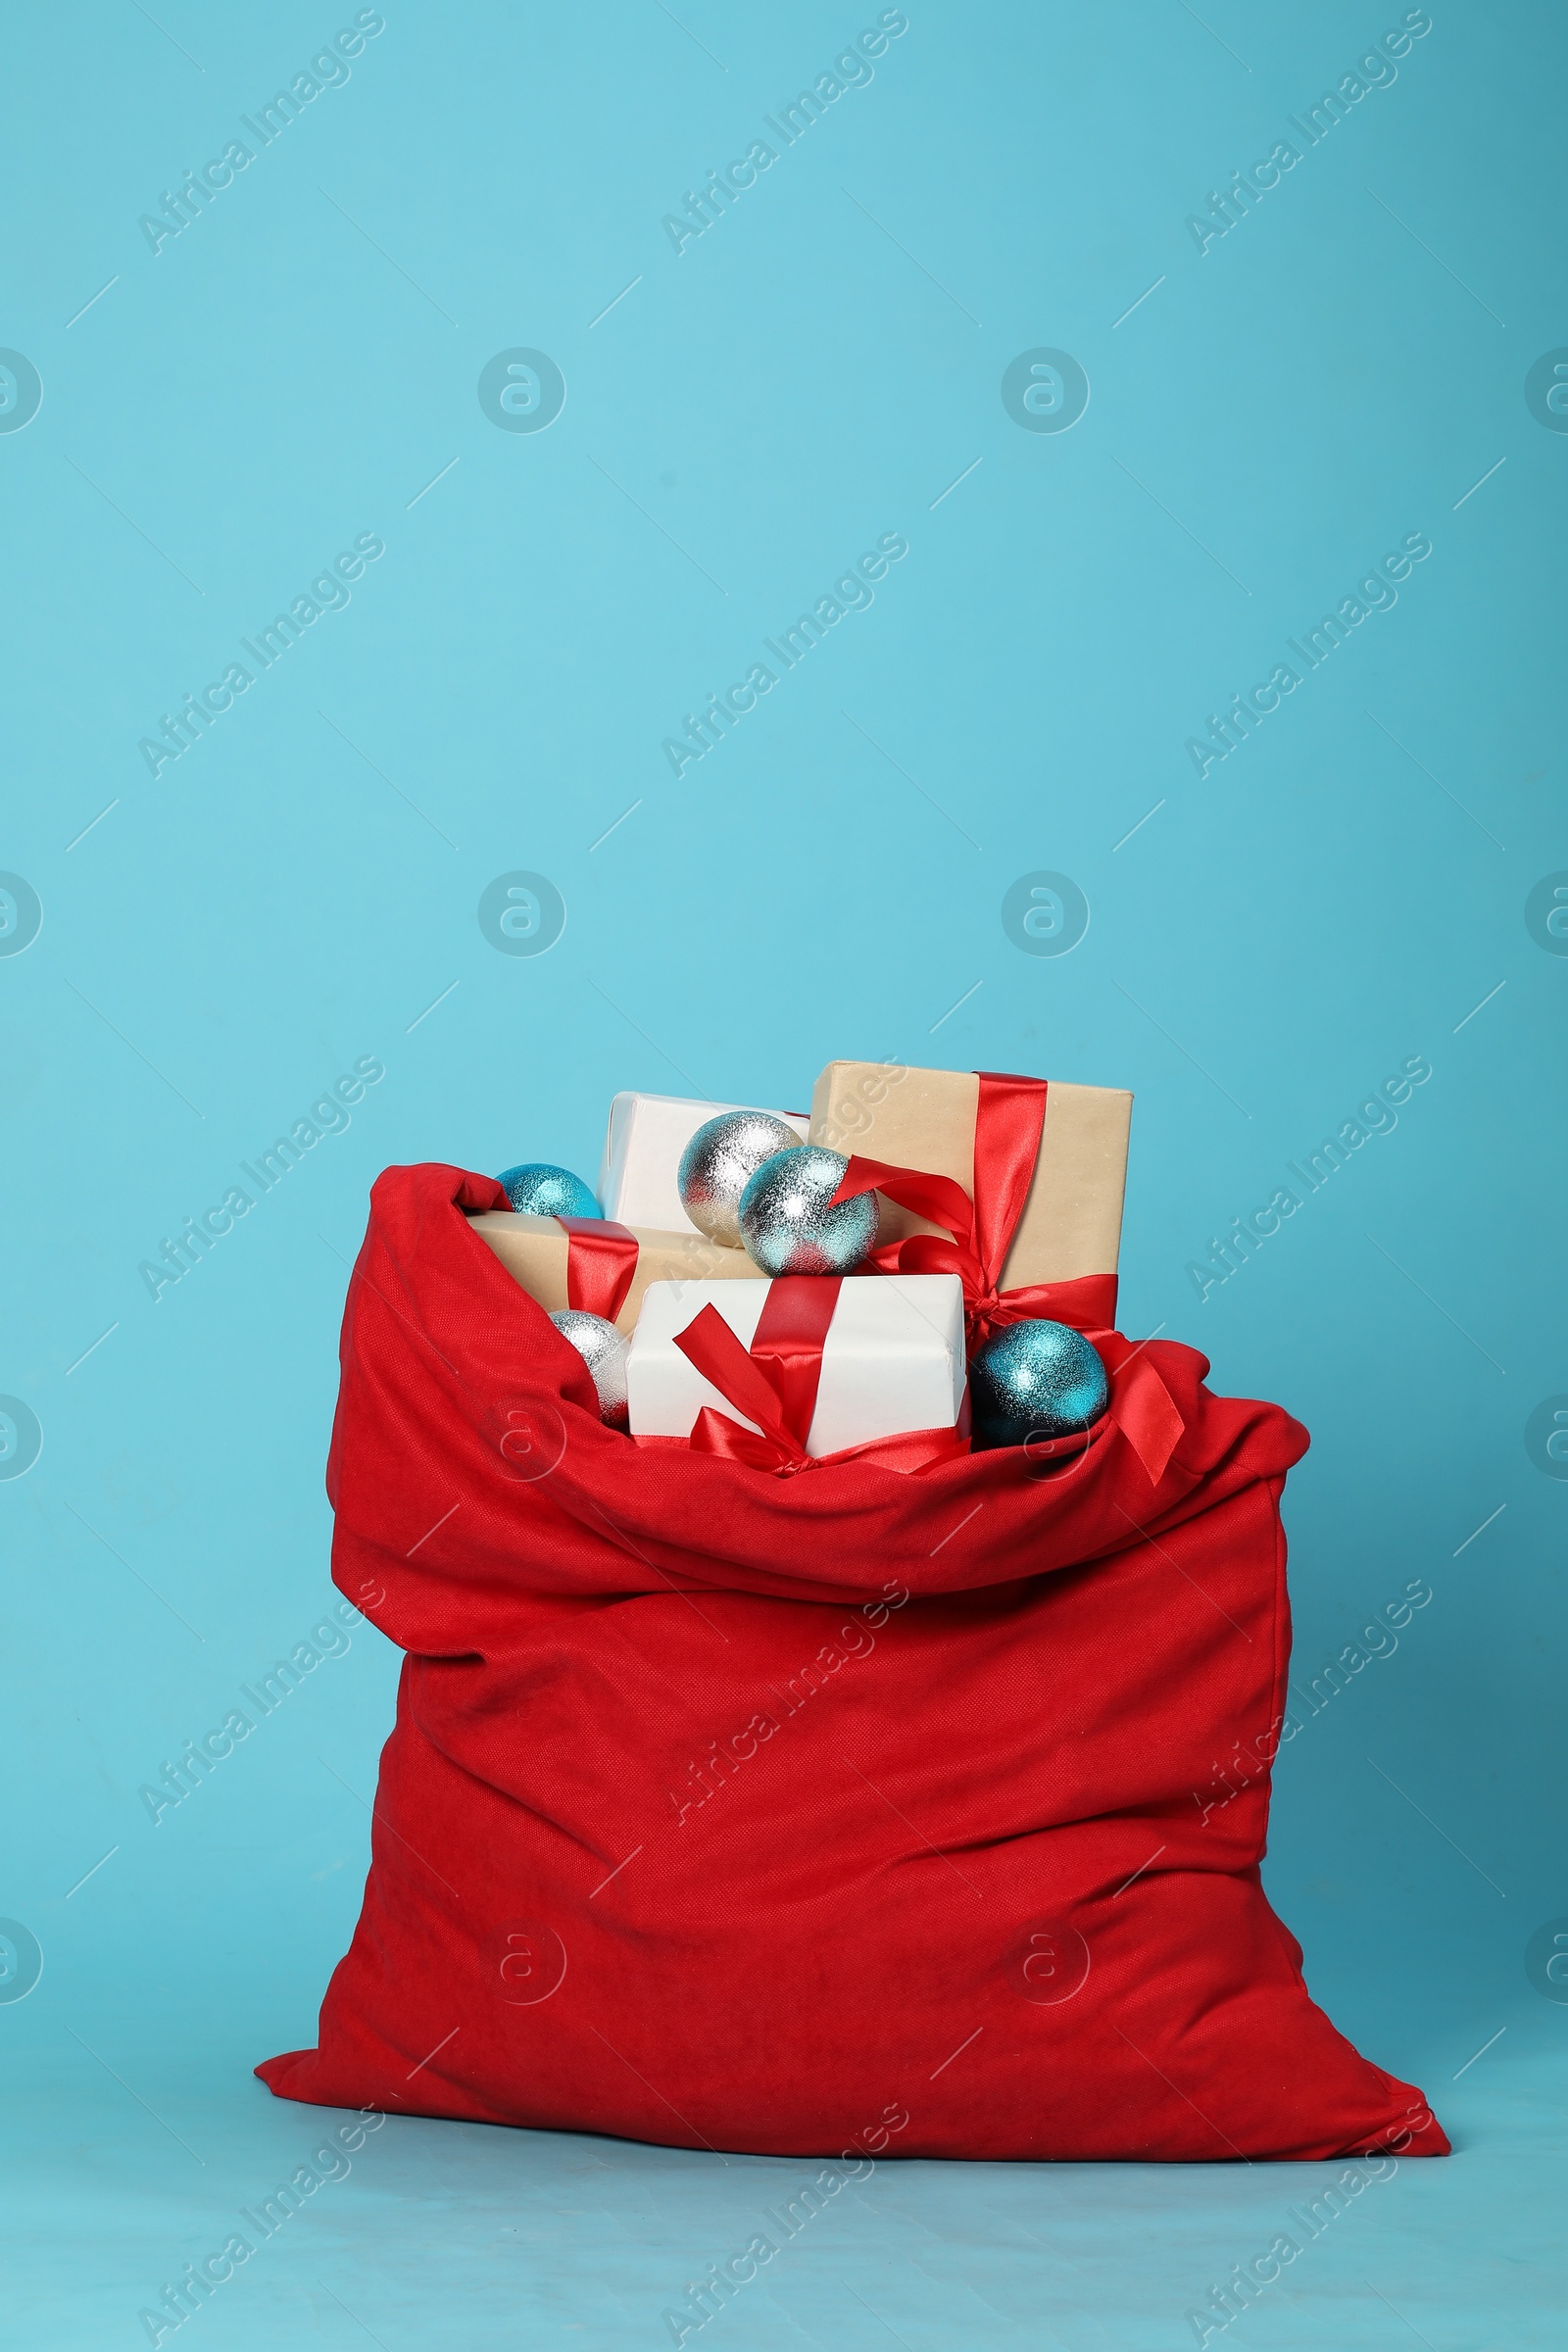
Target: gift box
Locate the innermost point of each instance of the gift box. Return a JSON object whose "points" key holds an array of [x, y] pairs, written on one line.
{"points": [[1069, 1223], [891, 1355], [643, 1143], [591, 1264]]}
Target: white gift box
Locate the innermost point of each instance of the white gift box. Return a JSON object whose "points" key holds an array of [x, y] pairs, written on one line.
{"points": [[892, 1360], [643, 1144]]}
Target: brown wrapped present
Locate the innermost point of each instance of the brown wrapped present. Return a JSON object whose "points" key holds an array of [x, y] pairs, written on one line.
{"points": [[535, 1251], [1070, 1225]]}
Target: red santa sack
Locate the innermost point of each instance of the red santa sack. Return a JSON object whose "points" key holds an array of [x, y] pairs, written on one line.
{"points": [[778, 1808]]}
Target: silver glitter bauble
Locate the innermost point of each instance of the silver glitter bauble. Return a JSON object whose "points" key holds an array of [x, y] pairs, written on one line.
{"points": [[537, 1189], [720, 1162], [786, 1224], [604, 1351], [1035, 1380]]}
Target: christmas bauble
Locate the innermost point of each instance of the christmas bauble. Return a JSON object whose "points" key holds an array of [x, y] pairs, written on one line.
{"points": [[1035, 1380], [720, 1162], [786, 1224], [604, 1351], [537, 1189]]}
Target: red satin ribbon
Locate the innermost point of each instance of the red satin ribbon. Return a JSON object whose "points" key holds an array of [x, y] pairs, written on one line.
{"points": [[775, 1385], [788, 1342], [1009, 1119], [600, 1262]]}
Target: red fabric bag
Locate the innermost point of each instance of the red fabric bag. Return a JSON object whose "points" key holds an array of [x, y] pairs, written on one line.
{"points": [[743, 1803]]}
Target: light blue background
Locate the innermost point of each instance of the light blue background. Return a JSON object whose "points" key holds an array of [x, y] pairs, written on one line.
{"points": [[815, 371]]}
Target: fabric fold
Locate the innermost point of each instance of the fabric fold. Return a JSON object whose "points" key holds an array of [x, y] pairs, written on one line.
{"points": [[720, 1808]]}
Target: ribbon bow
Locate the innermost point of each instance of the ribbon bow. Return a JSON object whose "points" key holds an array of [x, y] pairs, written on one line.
{"points": [[977, 1234], [774, 1384]]}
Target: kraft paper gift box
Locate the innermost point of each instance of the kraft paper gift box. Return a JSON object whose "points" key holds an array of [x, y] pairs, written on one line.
{"points": [[643, 1144], [892, 1359], [925, 1119], [534, 1250]]}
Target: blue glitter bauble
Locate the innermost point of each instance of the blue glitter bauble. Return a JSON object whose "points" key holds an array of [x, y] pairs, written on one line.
{"points": [[537, 1189], [785, 1221], [1035, 1380]]}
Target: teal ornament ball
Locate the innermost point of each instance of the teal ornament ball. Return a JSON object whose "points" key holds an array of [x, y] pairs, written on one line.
{"points": [[786, 1224], [603, 1351], [1035, 1380], [537, 1189]]}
